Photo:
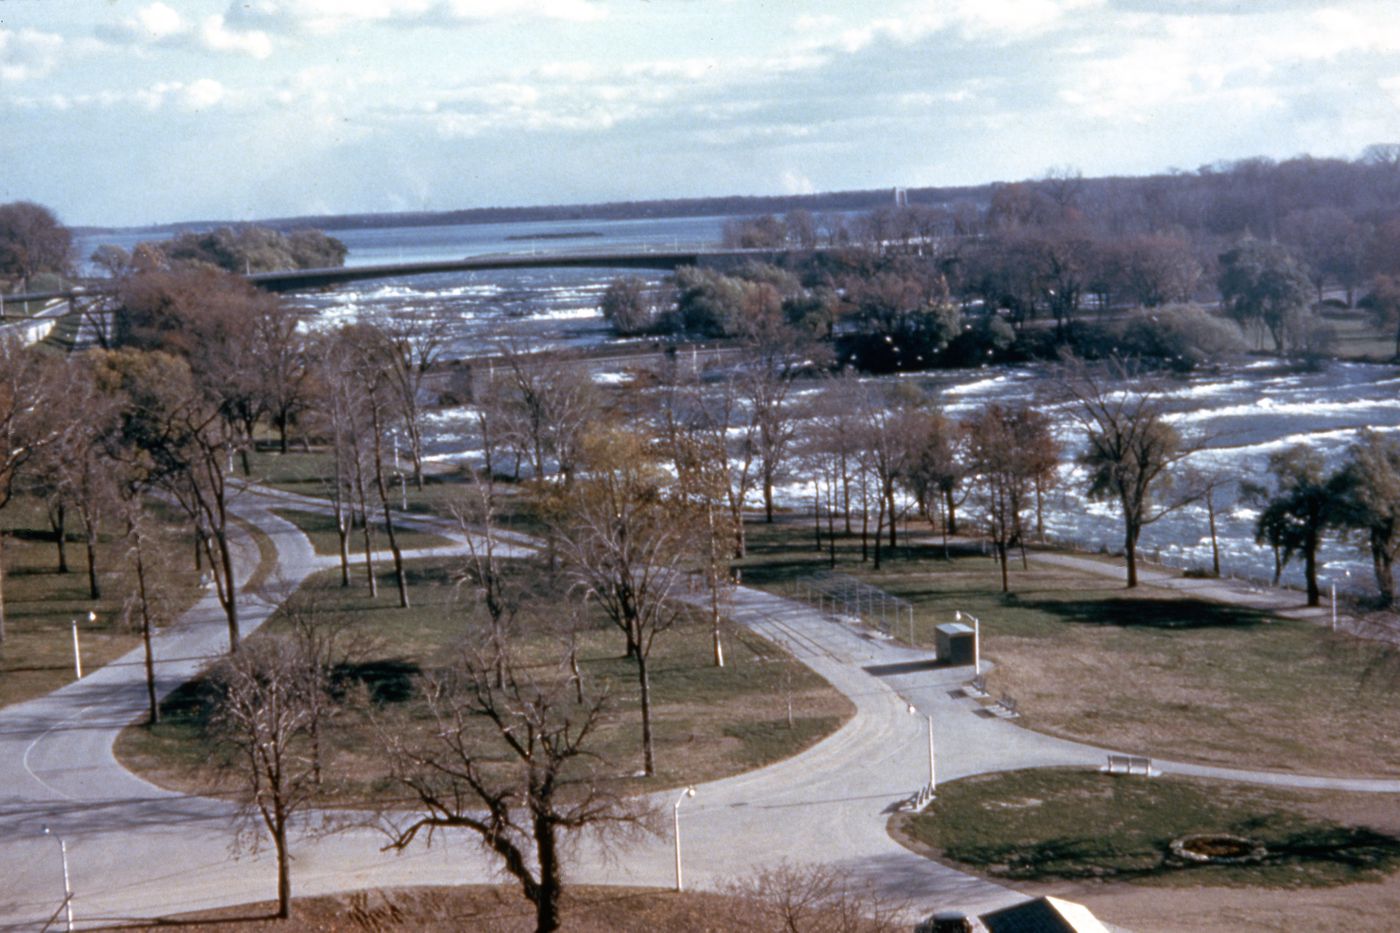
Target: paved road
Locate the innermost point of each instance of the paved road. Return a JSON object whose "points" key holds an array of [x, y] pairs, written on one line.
{"points": [[139, 851]]}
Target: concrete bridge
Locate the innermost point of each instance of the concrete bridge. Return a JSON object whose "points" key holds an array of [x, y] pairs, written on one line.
{"points": [[306, 279], [662, 260]]}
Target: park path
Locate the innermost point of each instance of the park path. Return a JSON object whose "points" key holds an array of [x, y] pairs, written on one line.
{"points": [[137, 850]]}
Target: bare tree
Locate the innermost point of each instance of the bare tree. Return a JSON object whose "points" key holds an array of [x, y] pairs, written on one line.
{"points": [[409, 346], [1132, 448], [177, 438], [482, 573], [24, 391], [1010, 452], [512, 762], [625, 541], [712, 446], [265, 716], [703, 473], [550, 405], [810, 898]]}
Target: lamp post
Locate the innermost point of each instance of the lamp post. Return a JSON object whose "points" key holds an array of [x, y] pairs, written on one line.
{"points": [[67, 887], [676, 818], [932, 778], [1334, 601], [976, 639], [77, 653]]}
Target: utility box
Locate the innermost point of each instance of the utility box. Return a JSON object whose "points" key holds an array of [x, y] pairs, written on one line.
{"points": [[955, 643]]}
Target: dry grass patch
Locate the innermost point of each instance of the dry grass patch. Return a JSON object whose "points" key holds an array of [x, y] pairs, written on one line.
{"points": [[41, 603], [503, 910], [1150, 671], [709, 722]]}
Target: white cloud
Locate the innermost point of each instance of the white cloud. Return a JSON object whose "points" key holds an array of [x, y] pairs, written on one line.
{"points": [[27, 54], [326, 16], [156, 23], [216, 36], [201, 94], [160, 25]]}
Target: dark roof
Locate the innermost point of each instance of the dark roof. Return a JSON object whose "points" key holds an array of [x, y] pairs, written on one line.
{"points": [[1037, 916]]}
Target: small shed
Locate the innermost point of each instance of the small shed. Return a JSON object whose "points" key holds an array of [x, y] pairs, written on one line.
{"points": [[955, 643]]}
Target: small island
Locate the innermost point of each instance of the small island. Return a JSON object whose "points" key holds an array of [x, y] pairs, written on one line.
{"points": [[562, 235]]}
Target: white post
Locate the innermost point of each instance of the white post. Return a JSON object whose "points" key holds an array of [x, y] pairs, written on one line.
{"points": [[67, 885], [77, 653], [676, 816], [1334, 607], [932, 779], [976, 646], [932, 785]]}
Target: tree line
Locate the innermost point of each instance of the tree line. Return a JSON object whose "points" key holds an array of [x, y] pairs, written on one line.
{"points": [[36, 249]]}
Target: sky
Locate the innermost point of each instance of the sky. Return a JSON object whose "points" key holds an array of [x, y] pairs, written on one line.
{"points": [[130, 112]]}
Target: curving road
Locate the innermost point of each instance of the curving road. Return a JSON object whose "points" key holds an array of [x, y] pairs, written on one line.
{"points": [[136, 850]]}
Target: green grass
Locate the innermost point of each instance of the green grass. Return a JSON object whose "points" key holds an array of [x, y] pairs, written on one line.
{"points": [[708, 721], [1065, 824], [320, 528], [1151, 671]]}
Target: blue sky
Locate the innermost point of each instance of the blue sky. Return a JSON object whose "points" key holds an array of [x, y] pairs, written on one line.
{"points": [[130, 111]]}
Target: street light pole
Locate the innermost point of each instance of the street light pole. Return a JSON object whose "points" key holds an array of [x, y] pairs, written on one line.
{"points": [[976, 639], [932, 774], [67, 887], [676, 816], [77, 653]]}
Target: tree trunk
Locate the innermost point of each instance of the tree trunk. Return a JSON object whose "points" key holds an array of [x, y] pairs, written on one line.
{"points": [[767, 499], [2, 586], [894, 521], [951, 525], [1383, 564], [547, 893], [229, 596], [1214, 540], [284, 872], [846, 479], [58, 521], [1001, 550], [1310, 573], [90, 541], [388, 516], [153, 713], [879, 528], [1130, 538], [644, 681]]}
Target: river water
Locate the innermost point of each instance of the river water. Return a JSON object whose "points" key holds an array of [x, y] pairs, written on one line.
{"points": [[1240, 411]]}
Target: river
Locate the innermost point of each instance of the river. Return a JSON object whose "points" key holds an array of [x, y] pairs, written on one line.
{"points": [[1239, 412]]}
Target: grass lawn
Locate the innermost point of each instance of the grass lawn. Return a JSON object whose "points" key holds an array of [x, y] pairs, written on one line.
{"points": [[1150, 671], [36, 656], [1071, 824], [320, 528], [708, 721]]}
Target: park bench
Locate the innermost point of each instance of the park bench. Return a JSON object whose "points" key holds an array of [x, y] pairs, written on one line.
{"points": [[1130, 764], [977, 687], [1006, 706]]}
